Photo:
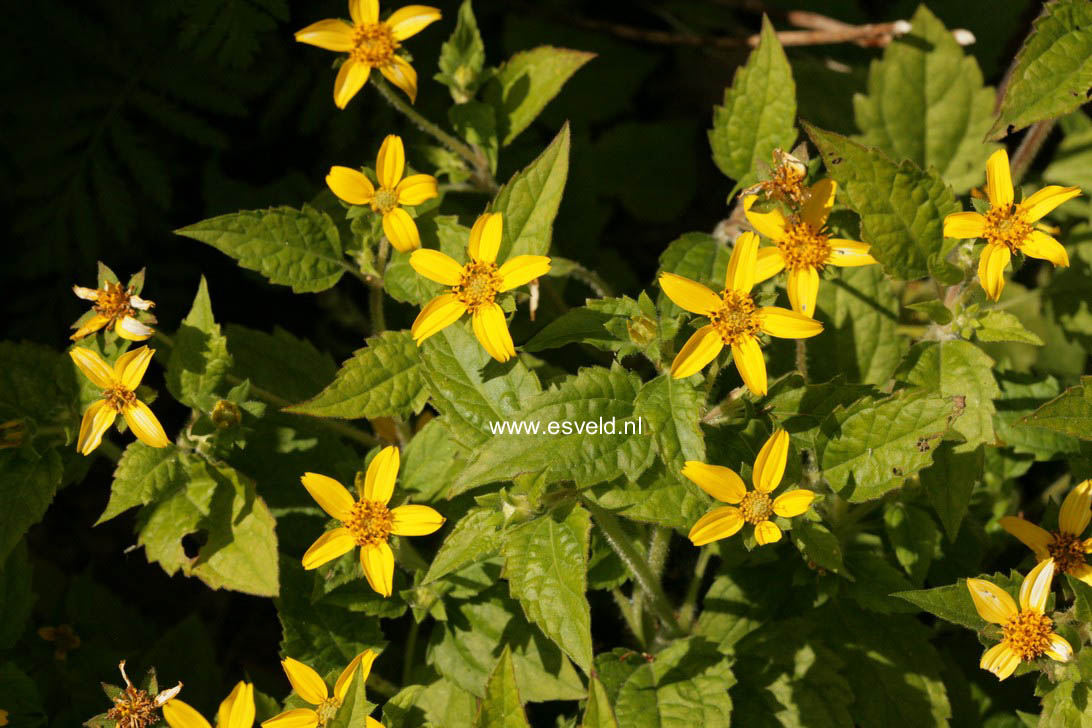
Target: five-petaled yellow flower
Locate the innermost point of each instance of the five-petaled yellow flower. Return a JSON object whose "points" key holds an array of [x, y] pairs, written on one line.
{"points": [[803, 247], [1027, 632], [736, 322], [474, 286], [754, 507], [352, 186], [310, 686], [118, 397], [1065, 545], [370, 43], [114, 305], [367, 522], [237, 711], [1008, 227]]}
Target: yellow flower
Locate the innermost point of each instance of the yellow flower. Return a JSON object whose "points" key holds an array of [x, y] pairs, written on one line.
{"points": [[367, 522], [118, 396], [1008, 227], [1026, 631], [114, 305], [735, 321], [754, 507], [370, 43], [310, 686], [1065, 545], [474, 286], [352, 186], [802, 245], [237, 711]]}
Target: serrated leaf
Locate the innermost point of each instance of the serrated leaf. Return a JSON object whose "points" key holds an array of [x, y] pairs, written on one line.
{"points": [[902, 208], [27, 486], [439, 703], [587, 324], [926, 103], [758, 113], [739, 604], [1069, 413], [875, 578], [199, 359], [546, 563], [1022, 394], [949, 483], [914, 536], [143, 475], [476, 536], [462, 56], [1062, 706], [36, 382], [598, 712], [521, 88], [962, 371], [501, 706], [355, 708], [1052, 72], [951, 602], [1003, 326], [671, 408], [280, 362], [818, 545], [658, 496], [297, 248], [801, 408]]}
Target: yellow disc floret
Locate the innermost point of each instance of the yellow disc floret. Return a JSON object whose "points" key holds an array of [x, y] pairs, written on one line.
{"points": [[1007, 226], [384, 201], [327, 709], [756, 507], [134, 708], [373, 44], [478, 286], [370, 523], [113, 301], [119, 397], [804, 247], [735, 319], [1028, 633], [1067, 551]]}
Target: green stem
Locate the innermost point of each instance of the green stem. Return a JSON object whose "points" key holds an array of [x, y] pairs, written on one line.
{"points": [[375, 295], [686, 613], [802, 358], [1030, 145], [411, 647], [625, 606]]}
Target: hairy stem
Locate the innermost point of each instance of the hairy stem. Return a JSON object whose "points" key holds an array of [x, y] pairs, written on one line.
{"points": [[686, 613], [625, 606], [1030, 145], [411, 647], [375, 295]]}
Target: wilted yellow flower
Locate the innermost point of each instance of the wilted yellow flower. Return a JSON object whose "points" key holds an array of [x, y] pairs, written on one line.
{"points": [[1008, 227], [118, 396], [802, 245], [474, 287], [367, 522], [1027, 632], [1065, 545], [135, 708], [370, 43], [63, 637], [735, 321], [237, 711], [114, 305], [785, 183], [754, 507], [310, 686], [352, 186]]}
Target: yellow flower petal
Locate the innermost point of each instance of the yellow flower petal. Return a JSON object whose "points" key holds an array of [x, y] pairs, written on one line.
{"points": [[180, 715], [371, 722], [767, 532], [1042, 202], [1075, 512], [307, 683], [93, 324], [689, 295], [722, 483], [330, 495], [381, 475], [820, 202], [1059, 649], [145, 425], [411, 20], [415, 520], [522, 269], [963, 225], [742, 264], [297, 718], [130, 367], [1082, 572], [130, 329], [1000, 660], [786, 324], [415, 189], [999, 179], [351, 77], [747, 355], [491, 329], [345, 680], [769, 263], [93, 367], [327, 547], [436, 266], [992, 602], [96, 420], [849, 253], [350, 185], [378, 563], [402, 75], [364, 12], [793, 503], [716, 524], [1035, 538], [401, 230], [237, 710], [391, 161], [1044, 247], [1035, 588], [437, 315], [485, 237], [991, 269], [699, 350], [770, 463], [332, 35], [771, 224], [803, 289]]}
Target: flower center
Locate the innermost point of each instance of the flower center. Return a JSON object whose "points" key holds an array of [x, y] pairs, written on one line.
{"points": [[1067, 550], [373, 44], [118, 397], [756, 507], [133, 709], [1007, 226], [370, 523], [785, 183], [478, 286], [113, 301], [327, 709], [384, 201], [804, 247], [735, 320], [1028, 634]]}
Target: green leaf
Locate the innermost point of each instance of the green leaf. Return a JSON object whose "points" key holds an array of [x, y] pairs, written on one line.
{"points": [[439, 703], [902, 208], [867, 449], [685, 685], [1083, 598], [1052, 72], [914, 536], [355, 708], [758, 113], [475, 537], [443, 233], [521, 88], [16, 598], [477, 124], [21, 699], [462, 56], [501, 706], [587, 325], [27, 485], [697, 256], [1071, 163], [818, 545], [383, 379], [546, 563], [1022, 394], [738, 604], [598, 712], [874, 577], [144, 475], [199, 358], [37, 383], [431, 460], [1065, 706], [949, 483], [671, 409], [279, 362], [658, 496], [529, 201], [801, 408], [297, 248], [926, 103], [596, 397], [1003, 326], [1069, 413]]}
